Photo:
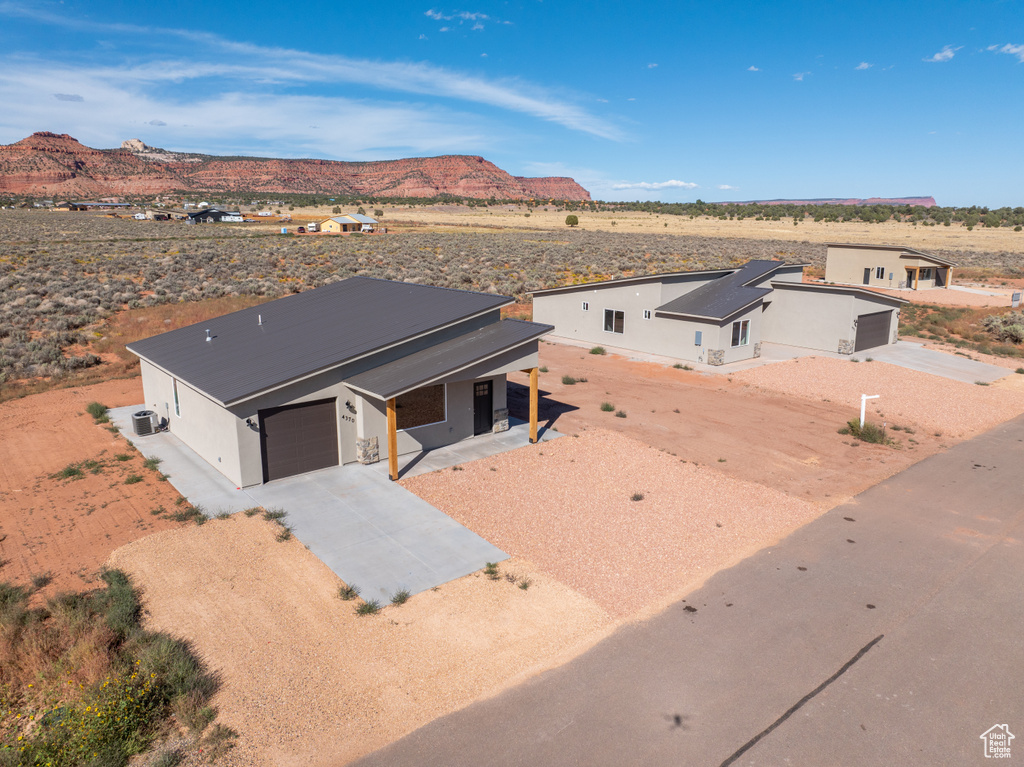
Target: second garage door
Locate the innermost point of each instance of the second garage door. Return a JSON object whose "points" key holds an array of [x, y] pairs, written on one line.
{"points": [[298, 438], [872, 330]]}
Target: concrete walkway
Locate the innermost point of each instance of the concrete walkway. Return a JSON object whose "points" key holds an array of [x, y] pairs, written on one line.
{"points": [[887, 632], [914, 356], [369, 530]]}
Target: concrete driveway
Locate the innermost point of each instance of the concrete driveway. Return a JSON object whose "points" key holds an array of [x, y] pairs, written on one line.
{"points": [[886, 632], [914, 356], [369, 530]]}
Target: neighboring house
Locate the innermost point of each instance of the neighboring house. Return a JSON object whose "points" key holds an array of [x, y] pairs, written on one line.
{"points": [[350, 222], [720, 316], [886, 266], [357, 370], [214, 215]]}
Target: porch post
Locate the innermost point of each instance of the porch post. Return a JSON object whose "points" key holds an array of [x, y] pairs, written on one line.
{"points": [[949, 276], [392, 441], [917, 277], [533, 405]]}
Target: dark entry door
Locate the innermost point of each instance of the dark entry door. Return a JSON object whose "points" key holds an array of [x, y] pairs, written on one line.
{"points": [[298, 438], [872, 330], [483, 407], [867, 275]]}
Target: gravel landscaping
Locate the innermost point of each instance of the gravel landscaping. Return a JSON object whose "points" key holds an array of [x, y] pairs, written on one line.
{"points": [[907, 397], [568, 506]]}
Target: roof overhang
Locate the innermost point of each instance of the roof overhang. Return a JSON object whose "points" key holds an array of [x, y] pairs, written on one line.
{"points": [[810, 286], [629, 281], [446, 359], [899, 248]]}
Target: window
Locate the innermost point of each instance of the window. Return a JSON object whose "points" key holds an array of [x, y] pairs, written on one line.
{"points": [[420, 407], [879, 272], [741, 333], [613, 320], [177, 403], [586, 306], [698, 337], [926, 274], [647, 314]]}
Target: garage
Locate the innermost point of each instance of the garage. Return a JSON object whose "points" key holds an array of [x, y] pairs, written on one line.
{"points": [[298, 438], [872, 330]]}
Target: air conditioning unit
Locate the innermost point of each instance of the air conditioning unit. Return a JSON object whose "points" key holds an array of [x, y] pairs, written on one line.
{"points": [[144, 422]]}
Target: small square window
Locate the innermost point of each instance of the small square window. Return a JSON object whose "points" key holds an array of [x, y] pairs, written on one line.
{"points": [[880, 272], [647, 314], [741, 333], [586, 306]]}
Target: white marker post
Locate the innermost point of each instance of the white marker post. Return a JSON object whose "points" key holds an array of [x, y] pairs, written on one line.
{"points": [[863, 402]]}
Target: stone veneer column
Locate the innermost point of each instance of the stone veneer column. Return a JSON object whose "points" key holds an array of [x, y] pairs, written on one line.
{"points": [[500, 420], [367, 450], [716, 356], [845, 347]]}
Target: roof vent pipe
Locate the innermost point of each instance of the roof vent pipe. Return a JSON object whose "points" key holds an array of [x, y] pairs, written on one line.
{"points": [[261, 318], [208, 338]]}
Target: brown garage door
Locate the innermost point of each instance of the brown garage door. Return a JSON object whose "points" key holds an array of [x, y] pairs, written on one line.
{"points": [[872, 330], [298, 438]]}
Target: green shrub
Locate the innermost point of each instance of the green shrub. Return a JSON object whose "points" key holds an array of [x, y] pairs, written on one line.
{"points": [[349, 592], [98, 411], [636, 497], [368, 608], [569, 380], [620, 413], [132, 479], [491, 571], [598, 350], [400, 597], [869, 432], [607, 407]]}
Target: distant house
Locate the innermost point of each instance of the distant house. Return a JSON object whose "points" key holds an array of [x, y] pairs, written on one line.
{"points": [[350, 222], [720, 316], [886, 266], [70, 206], [215, 215], [354, 371]]}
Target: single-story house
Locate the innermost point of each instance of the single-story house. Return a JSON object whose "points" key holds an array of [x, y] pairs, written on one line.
{"points": [[214, 215], [720, 316], [353, 371], [886, 266], [350, 222]]}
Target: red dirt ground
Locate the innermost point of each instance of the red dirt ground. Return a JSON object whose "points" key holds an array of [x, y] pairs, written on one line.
{"points": [[68, 527]]}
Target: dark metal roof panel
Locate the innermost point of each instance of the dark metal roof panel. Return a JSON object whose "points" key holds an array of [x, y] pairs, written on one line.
{"points": [[629, 280], [423, 367], [725, 296], [305, 333]]}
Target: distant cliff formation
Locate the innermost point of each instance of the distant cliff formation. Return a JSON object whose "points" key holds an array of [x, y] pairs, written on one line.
{"points": [[927, 202], [56, 165]]}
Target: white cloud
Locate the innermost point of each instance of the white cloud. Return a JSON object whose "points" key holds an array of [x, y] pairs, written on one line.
{"points": [[652, 66], [161, 123], [423, 37], [67, 97], [863, 65], [603, 101], [727, 188], [445, 29], [651, 185], [752, 68], [483, 55], [1012, 50], [247, 67], [799, 76], [477, 27], [945, 54]]}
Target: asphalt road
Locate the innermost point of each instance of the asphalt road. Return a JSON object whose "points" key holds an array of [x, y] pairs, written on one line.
{"points": [[890, 631]]}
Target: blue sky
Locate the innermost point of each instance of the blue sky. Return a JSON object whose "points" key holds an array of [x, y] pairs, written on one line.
{"points": [[671, 101]]}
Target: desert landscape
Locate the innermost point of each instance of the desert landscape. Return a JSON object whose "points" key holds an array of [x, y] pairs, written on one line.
{"points": [[664, 477]]}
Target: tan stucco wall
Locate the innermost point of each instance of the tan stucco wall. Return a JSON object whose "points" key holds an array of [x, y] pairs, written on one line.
{"points": [[818, 319], [203, 425], [845, 266]]}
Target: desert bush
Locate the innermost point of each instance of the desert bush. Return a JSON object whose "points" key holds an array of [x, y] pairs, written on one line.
{"points": [[1006, 327], [869, 432], [83, 683]]}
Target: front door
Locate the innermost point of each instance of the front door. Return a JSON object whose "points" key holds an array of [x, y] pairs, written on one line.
{"points": [[483, 408], [867, 275]]}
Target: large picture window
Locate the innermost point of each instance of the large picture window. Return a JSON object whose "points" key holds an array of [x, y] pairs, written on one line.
{"points": [[614, 321], [420, 407], [741, 333]]}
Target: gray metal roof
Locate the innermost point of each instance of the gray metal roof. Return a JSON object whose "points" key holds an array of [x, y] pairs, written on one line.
{"points": [[629, 280], [725, 296], [816, 286], [306, 333], [424, 367]]}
